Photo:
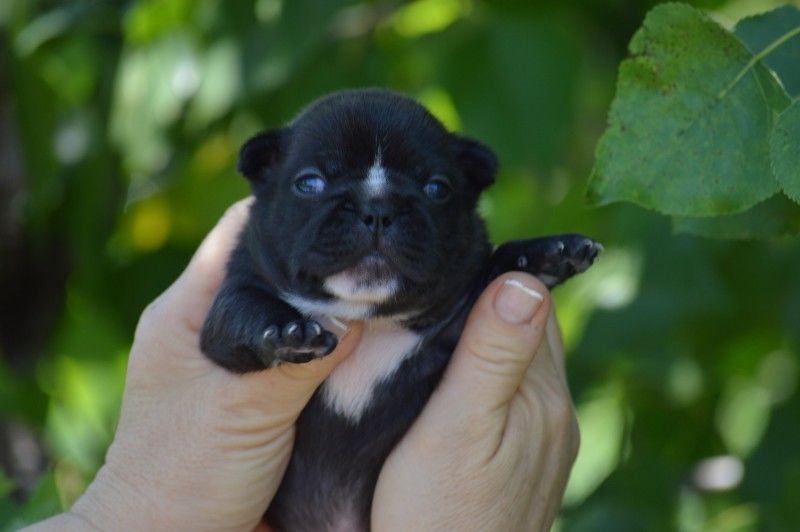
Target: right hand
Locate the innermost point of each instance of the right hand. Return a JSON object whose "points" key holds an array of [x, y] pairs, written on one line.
{"points": [[493, 448]]}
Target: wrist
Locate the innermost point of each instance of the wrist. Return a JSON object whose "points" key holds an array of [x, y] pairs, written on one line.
{"points": [[113, 502]]}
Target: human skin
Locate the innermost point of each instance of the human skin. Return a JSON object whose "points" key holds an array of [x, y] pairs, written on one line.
{"points": [[493, 448], [200, 448]]}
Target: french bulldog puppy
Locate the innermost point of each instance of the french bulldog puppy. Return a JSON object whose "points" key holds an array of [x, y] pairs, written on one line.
{"points": [[364, 210]]}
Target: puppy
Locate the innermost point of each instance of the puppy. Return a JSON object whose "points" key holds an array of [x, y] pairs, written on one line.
{"points": [[364, 210]]}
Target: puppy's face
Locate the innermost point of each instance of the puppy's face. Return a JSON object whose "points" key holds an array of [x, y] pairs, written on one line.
{"points": [[367, 204]]}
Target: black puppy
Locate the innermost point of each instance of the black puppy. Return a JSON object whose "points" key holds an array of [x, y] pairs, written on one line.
{"points": [[365, 209]]}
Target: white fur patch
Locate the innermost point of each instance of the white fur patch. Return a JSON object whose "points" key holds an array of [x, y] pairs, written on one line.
{"points": [[376, 182], [351, 288], [383, 347], [346, 310]]}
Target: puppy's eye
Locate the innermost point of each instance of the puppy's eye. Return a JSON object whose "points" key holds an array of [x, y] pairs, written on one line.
{"points": [[438, 188], [309, 183]]}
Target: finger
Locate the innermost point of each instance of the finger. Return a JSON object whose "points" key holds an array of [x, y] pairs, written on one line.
{"points": [[549, 360], [191, 295], [502, 334], [556, 344]]}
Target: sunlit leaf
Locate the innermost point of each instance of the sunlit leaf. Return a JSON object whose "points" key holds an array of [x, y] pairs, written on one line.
{"points": [[221, 82], [441, 105], [149, 19], [427, 16], [743, 416], [602, 423]]}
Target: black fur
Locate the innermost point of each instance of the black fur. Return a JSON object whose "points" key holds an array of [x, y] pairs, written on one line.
{"points": [[437, 251]]}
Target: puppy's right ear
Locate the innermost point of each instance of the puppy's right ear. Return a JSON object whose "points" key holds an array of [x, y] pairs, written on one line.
{"points": [[260, 154]]}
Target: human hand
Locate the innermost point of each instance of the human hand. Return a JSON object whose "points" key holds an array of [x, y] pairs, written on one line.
{"points": [[493, 447], [197, 447]]}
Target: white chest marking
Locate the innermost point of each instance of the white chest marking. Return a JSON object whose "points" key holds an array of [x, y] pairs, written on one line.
{"points": [[383, 347], [376, 181], [347, 310]]}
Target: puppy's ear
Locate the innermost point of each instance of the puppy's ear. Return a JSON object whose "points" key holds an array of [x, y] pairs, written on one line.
{"points": [[477, 161], [261, 153]]}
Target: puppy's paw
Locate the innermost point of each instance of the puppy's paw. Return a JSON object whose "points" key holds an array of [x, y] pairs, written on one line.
{"points": [[297, 341], [556, 259]]}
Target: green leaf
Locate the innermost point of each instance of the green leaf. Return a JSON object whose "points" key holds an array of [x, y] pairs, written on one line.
{"points": [[774, 217], [689, 127], [785, 150], [759, 31]]}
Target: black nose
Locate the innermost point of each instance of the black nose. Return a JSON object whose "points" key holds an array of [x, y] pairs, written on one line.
{"points": [[377, 215]]}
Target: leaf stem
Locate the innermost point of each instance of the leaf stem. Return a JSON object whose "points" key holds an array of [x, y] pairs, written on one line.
{"points": [[758, 57]]}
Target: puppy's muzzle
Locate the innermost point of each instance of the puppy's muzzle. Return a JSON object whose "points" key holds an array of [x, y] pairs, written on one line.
{"points": [[377, 215]]}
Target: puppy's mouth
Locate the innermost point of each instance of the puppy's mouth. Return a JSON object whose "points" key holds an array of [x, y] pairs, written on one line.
{"points": [[373, 266], [372, 280]]}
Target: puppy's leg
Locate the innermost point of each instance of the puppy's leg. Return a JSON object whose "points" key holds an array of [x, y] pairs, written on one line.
{"points": [[553, 259], [249, 329]]}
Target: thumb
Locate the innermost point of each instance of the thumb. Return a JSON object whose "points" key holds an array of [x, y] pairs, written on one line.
{"points": [[501, 337]]}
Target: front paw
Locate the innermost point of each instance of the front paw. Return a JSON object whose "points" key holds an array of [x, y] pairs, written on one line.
{"points": [[556, 259], [297, 341]]}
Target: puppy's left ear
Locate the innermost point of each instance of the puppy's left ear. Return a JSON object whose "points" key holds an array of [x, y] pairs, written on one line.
{"points": [[260, 154], [477, 161]]}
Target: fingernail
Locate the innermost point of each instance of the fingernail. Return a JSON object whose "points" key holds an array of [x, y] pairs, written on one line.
{"points": [[339, 324], [516, 303], [337, 327]]}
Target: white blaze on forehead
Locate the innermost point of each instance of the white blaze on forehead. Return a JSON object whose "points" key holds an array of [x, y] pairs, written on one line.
{"points": [[376, 181]]}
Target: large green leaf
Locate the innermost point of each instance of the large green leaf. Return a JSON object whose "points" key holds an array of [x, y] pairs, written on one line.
{"points": [[785, 145], [760, 31], [689, 127], [777, 216]]}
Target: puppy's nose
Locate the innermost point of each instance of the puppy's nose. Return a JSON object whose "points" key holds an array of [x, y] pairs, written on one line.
{"points": [[377, 215]]}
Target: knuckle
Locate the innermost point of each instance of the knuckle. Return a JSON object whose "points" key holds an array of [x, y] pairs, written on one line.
{"points": [[152, 316], [153, 323], [237, 210], [498, 351], [563, 414], [567, 430]]}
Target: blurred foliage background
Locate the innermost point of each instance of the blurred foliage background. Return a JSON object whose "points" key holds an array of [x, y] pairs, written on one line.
{"points": [[119, 127]]}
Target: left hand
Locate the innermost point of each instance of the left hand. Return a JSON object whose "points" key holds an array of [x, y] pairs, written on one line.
{"points": [[198, 447]]}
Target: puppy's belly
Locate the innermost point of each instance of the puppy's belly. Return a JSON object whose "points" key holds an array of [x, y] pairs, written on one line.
{"points": [[349, 389]]}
